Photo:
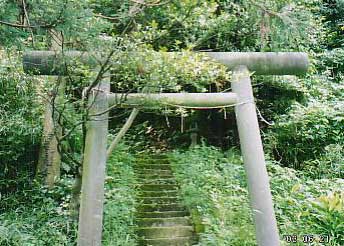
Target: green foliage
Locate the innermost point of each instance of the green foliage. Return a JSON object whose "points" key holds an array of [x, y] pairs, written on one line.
{"points": [[37, 216], [305, 206], [119, 207], [304, 132], [329, 216], [20, 114], [307, 112], [332, 11], [228, 26], [40, 216], [214, 184], [329, 164], [172, 72], [332, 64], [73, 18]]}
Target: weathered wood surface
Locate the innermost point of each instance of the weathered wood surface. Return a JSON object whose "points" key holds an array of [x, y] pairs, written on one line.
{"points": [[254, 162], [173, 99], [93, 173], [57, 63], [263, 63]]}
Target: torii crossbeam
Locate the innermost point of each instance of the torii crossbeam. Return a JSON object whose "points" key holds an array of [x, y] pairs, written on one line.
{"points": [[242, 64]]}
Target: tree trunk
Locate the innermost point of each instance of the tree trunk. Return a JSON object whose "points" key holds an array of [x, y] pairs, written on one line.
{"points": [[48, 168], [122, 132], [49, 162]]}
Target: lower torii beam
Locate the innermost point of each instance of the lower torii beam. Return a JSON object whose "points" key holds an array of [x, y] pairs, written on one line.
{"points": [[190, 100]]}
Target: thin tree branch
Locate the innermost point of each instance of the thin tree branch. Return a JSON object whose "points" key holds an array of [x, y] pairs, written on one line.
{"points": [[26, 26], [107, 17], [156, 3], [122, 132]]}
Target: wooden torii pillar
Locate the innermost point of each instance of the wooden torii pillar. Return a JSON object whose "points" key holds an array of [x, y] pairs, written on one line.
{"points": [[92, 197]]}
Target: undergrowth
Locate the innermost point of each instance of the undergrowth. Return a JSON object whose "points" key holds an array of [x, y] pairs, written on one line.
{"points": [[36, 216], [119, 208], [213, 183]]}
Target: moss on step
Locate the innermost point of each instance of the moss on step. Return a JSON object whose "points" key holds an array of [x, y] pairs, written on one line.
{"points": [[158, 187], [165, 232], [159, 200], [160, 193], [160, 207], [152, 161], [162, 218], [155, 171], [154, 176], [156, 181], [177, 241], [164, 214], [174, 221], [152, 166]]}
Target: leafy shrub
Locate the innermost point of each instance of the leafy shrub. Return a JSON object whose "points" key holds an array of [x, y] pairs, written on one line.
{"points": [[20, 126], [303, 134], [214, 184], [303, 206], [333, 61], [212, 187], [119, 207], [38, 216], [328, 165]]}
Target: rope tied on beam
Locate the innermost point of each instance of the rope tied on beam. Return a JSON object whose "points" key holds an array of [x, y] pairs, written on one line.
{"points": [[97, 90], [213, 107]]}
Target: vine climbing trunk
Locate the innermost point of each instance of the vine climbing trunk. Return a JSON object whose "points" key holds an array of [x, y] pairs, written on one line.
{"points": [[93, 173], [253, 155]]}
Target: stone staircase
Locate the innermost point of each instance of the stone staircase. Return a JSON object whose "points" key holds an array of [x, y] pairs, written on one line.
{"points": [[161, 218]]}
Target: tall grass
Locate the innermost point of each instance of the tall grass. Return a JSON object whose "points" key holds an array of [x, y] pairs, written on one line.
{"points": [[213, 185]]}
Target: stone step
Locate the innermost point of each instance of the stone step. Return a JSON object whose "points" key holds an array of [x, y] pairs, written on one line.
{"points": [[153, 171], [156, 222], [154, 175], [157, 181], [151, 156], [160, 193], [158, 207], [164, 214], [158, 187], [152, 161], [174, 241], [149, 200], [165, 232], [152, 166]]}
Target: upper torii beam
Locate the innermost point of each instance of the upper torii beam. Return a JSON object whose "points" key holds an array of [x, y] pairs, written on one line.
{"points": [[242, 64], [262, 63]]}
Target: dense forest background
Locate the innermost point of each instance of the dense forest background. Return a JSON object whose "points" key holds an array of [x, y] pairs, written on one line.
{"points": [[42, 118]]}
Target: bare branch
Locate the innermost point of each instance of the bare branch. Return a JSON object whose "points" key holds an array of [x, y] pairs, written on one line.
{"points": [[107, 17], [156, 3]]}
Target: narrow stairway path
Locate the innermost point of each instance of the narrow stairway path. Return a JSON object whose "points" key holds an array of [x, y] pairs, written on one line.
{"points": [[161, 218]]}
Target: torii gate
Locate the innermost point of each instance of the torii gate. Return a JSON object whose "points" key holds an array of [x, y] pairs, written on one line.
{"points": [[92, 196]]}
